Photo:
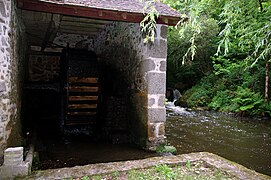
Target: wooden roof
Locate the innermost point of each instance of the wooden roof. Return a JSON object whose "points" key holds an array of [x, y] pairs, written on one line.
{"points": [[115, 10]]}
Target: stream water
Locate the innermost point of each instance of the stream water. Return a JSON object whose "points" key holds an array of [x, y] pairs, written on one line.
{"points": [[245, 141]]}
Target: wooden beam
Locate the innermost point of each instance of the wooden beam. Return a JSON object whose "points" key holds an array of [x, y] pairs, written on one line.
{"points": [[83, 98], [83, 89], [92, 34], [88, 12], [76, 28], [82, 113], [49, 32], [84, 20], [83, 80], [82, 106], [82, 24]]}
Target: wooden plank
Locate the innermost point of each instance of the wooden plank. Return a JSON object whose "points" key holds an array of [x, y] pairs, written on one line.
{"points": [[83, 80], [82, 106], [71, 123], [83, 98], [82, 113], [83, 89], [92, 34], [78, 28], [82, 24], [85, 20]]}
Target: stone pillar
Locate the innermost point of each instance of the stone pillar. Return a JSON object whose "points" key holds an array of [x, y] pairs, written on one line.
{"points": [[4, 69], [156, 87], [11, 60]]}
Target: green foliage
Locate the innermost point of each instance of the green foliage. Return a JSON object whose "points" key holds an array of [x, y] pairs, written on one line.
{"points": [[166, 149], [247, 101], [188, 164], [165, 171], [222, 52], [85, 178], [148, 24]]}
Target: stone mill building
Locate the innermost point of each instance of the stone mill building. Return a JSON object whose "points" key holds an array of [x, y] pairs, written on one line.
{"points": [[82, 64]]}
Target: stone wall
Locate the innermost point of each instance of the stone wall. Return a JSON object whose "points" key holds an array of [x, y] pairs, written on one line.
{"points": [[44, 68], [136, 72], [12, 48], [74, 41]]}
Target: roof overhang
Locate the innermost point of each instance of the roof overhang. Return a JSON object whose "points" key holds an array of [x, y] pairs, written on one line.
{"points": [[90, 12]]}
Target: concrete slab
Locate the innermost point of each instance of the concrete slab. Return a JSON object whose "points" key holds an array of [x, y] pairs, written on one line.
{"points": [[234, 169]]}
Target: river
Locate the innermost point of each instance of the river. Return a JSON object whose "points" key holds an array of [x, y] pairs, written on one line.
{"points": [[245, 141]]}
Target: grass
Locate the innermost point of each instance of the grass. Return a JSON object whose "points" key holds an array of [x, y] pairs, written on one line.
{"points": [[189, 171]]}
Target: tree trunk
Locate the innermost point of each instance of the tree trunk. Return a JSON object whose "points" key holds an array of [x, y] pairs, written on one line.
{"points": [[266, 81]]}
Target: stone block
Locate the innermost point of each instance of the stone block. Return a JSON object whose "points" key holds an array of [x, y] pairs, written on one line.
{"points": [[158, 49], [161, 101], [13, 156], [152, 131], [156, 83], [147, 65], [2, 86], [164, 31], [163, 66], [9, 172], [156, 115], [4, 41], [3, 118], [2, 9], [161, 131], [151, 102]]}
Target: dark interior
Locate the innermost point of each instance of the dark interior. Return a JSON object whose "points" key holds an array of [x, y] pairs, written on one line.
{"points": [[72, 102]]}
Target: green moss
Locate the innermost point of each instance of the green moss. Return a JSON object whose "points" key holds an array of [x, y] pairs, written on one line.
{"points": [[166, 149]]}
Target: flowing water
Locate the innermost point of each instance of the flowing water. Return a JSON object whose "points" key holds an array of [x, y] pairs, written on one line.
{"points": [[245, 141]]}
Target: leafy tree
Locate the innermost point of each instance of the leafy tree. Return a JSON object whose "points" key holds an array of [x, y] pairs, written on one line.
{"points": [[234, 37]]}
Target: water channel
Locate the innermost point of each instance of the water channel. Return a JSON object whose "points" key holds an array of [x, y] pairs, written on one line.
{"points": [[245, 141]]}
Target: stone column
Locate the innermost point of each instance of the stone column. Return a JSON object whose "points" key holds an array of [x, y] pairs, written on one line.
{"points": [[11, 76], [156, 87], [4, 69]]}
